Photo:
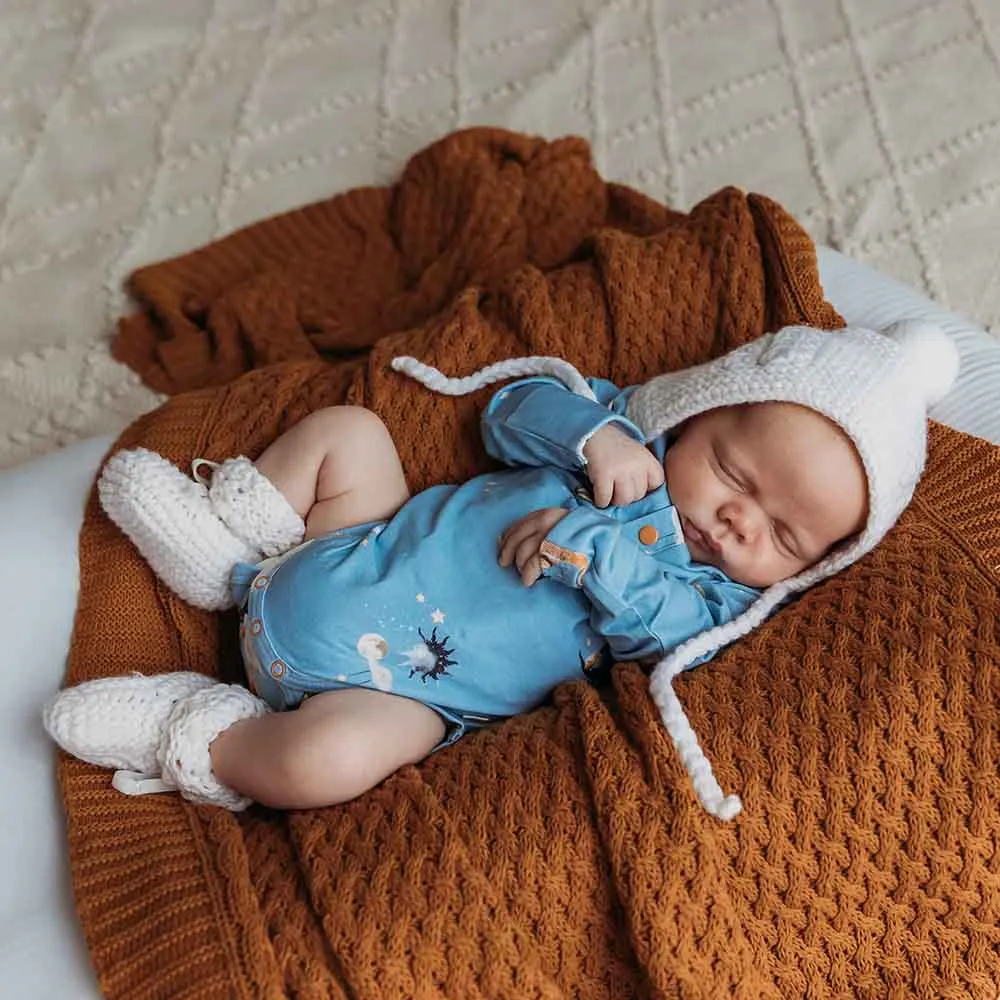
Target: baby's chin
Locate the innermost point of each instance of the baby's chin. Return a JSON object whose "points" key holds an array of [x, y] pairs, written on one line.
{"points": [[757, 579], [747, 578]]}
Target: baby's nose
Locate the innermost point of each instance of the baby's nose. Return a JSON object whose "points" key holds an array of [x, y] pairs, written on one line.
{"points": [[742, 522]]}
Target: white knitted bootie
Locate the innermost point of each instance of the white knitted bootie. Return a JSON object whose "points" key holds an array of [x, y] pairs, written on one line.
{"points": [[251, 505], [119, 721], [170, 520], [183, 754]]}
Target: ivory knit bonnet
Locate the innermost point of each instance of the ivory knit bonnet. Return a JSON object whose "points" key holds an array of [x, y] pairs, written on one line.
{"points": [[876, 386]]}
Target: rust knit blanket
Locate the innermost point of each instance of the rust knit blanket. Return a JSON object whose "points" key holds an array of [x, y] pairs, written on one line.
{"points": [[561, 854]]}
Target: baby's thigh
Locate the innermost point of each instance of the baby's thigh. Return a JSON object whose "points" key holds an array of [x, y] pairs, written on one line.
{"points": [[338, 467], [361, 478]]}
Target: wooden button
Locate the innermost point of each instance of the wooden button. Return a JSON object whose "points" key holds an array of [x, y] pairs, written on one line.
{"points": [[648, 534]]}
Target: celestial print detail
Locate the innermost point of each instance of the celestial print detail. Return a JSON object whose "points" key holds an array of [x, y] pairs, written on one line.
{"points": [[438, 616], [420, 659], [432, 658], [373, 649], [421, 598]]}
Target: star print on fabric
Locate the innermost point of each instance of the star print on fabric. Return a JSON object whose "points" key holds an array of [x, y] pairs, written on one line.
{"points": [[421, 598], [438, 616]]}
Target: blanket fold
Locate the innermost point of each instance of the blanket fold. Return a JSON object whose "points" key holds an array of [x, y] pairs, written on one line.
{"points": [[561, 854]]}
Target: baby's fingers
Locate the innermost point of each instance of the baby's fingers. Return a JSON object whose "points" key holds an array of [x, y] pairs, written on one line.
{"points": [[526, 551], [512, 538], [627, 489], [532, 570], [604, 487], [654, 476]]}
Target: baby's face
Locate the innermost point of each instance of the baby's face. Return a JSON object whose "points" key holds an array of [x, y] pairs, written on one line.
{"points": [[764, 491]]}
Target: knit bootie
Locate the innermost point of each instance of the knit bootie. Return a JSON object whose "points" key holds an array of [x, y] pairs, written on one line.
{"points": [[118, 721], [184, 759], [250, 505], [190, 533], [147, 726], [170, 520]]}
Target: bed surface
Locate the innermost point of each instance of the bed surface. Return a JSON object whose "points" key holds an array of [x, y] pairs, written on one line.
{"points": [[133, 130]]}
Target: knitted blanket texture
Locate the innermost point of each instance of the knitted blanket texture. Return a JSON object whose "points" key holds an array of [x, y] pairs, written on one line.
{"points": [[561, 854]]}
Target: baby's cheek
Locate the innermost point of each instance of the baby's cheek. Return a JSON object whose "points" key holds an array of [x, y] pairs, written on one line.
{"points": [[781, 567], [759, 568]]}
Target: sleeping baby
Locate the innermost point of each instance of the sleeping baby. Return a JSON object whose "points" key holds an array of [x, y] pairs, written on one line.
{"points": [[659, 522]]}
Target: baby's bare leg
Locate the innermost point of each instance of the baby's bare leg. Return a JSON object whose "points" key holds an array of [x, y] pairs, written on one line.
{"points": [[338, 467], [336, 746]]}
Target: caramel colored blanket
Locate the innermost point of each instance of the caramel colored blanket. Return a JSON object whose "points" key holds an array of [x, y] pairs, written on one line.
{"points": [[561, 854]]}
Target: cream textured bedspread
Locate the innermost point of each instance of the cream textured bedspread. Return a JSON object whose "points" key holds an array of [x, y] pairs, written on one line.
{"points": [[136, 129]]}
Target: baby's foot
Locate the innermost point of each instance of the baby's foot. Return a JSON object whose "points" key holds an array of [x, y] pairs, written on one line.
{"points": [[161, 725], [250, 505], [119, 721], [184, 758], [170, 520]]}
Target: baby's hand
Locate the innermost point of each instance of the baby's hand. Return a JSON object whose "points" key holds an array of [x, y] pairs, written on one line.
{"points": [[621, 469], [521, 543]]}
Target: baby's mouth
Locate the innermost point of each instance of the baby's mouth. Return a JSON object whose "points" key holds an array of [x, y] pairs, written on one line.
{"points": [[698, 537]]}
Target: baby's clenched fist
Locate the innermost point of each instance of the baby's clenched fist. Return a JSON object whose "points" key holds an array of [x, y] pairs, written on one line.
{"points": [[621, 470], [521, 543]]}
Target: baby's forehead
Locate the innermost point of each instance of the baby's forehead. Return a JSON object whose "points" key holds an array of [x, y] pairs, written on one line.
{"points": [[787, 437]]}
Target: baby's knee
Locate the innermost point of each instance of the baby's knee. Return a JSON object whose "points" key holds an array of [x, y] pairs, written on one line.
{"points": [[349, 436], [346, 424]]}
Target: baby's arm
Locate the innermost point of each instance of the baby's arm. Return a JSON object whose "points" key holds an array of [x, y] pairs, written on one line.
{"points": [[538, 421]]}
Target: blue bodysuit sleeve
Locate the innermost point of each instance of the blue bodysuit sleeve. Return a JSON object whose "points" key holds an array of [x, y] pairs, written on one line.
{"points": [[641, 604], [538, 421]]}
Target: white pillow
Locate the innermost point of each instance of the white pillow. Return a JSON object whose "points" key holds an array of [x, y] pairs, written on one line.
{"points": [[42, 953]]}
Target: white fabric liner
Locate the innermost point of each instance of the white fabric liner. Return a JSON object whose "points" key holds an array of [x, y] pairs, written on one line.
{"points": [[41, 503]]}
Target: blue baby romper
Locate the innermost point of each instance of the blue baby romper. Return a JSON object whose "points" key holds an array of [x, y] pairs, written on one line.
{"points": [[418, 605]]}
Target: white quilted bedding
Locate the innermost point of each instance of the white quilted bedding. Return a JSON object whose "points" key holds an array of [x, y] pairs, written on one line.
{"points": [[136, 129]]}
